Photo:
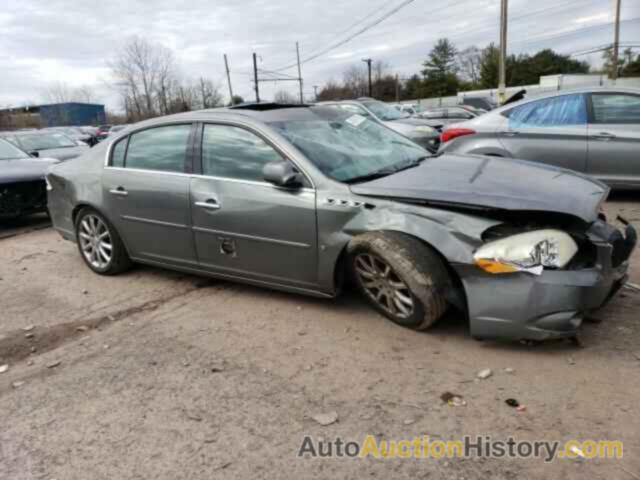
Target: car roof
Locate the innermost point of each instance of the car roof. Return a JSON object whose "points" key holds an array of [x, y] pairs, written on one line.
{"points": [[264, 112], [568, 91], [35, 132]]}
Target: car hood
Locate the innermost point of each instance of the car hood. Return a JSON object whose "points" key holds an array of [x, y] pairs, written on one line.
{"points": [[24, 169], [494, 183], [66, 153], [409, 129]]}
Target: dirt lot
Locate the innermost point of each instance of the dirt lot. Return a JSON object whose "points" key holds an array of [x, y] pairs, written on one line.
{"points": [[168, 376]]}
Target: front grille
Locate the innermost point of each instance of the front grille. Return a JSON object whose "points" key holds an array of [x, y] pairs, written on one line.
{"points": [[22, 197]]}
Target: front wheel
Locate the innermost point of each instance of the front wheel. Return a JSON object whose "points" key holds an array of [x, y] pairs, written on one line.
{"points": [[401, 277], [99, 243]]}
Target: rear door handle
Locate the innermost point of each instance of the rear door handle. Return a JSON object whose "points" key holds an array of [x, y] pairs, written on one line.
{"points": [[604, 136], [509, 133], [209, 204], [120, 191]]}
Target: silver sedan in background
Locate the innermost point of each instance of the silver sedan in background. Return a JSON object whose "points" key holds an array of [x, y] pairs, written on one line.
{"points": [[594, 131]]}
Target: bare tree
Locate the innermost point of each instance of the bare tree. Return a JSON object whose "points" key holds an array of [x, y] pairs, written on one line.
{"points": [[469, 62], [60, 92], [143, 72], [355, 81], [209, 93], [282, 96], [380, 69]]}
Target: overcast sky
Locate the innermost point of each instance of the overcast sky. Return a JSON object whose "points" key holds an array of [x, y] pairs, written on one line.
{"points": [[46, 41]]}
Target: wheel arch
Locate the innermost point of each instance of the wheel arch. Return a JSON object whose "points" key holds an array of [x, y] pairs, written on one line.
{"points": [[456, 296], [79, 206]]}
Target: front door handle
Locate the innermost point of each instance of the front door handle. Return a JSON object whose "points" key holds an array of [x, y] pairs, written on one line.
{"points": [[120, 191], [604, 136], [209, 204]]}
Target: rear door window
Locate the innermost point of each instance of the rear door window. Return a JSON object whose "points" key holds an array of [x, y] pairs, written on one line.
{"points": [[565, 110], [159, 148], [616, 108]]}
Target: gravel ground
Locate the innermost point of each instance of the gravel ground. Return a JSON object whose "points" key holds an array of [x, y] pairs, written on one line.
{"points": [[155, 374]]}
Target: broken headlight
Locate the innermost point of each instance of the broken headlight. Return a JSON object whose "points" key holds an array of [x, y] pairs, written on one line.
{"points": [[527, 252]]}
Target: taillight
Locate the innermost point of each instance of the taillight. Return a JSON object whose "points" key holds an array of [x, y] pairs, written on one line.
{"points": [[452, 133]]}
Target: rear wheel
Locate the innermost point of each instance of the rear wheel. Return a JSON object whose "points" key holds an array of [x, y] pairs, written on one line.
{"points": [[401, 277], [99, 243]]}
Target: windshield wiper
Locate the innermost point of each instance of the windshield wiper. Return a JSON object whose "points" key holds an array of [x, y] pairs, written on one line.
{"points": [[383, 172], [410, 164]]}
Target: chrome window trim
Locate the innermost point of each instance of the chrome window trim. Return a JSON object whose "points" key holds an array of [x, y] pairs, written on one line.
{"points": [[224, 121]]}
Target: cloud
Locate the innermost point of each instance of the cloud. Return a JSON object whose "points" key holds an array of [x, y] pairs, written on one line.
{"points": [[72, 41]]}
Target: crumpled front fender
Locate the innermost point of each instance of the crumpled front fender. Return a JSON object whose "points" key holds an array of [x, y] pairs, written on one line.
{"points": [[453, 234]]}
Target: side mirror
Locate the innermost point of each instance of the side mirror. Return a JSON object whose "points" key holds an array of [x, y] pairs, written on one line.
{"points": [[35, 153], [281, 174]]}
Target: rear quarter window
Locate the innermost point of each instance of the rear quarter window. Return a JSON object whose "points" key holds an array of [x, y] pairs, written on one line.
{"points": [[117, 153], [616, 108]]}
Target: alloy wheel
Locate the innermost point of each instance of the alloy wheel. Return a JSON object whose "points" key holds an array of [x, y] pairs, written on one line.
{"points": [[95, 241], [383, 285]]}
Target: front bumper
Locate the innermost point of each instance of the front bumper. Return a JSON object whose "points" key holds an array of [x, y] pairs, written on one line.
{"points": [[550, 305], [22, 198]]}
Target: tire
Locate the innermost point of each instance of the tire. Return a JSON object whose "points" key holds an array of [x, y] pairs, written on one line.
{"points": [[415, 272], [95, 252]]}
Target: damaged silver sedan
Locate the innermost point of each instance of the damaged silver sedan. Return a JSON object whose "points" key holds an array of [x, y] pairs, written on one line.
{"points": [[301, 198]]}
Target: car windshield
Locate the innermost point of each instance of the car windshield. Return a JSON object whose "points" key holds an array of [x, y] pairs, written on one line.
{"points": [[9, 152], [350, 147], [385, 112], [44, 141]]}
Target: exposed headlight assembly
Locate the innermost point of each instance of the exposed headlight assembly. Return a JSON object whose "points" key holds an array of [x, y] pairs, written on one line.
{"points": [[527, 252]]}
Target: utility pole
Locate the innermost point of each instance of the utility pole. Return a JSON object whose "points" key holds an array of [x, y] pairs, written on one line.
{"points": [[397, 89], [616, 43], [502, 74], [255, 77], [226, 66], [299, 73], [315, 91], [368, 62]]}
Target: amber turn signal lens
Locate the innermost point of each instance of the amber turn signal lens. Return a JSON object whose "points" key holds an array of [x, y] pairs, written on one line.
{"points": [[492, 266]]}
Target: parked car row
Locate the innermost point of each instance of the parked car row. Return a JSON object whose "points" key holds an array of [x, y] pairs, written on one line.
{"points": [[25, 156], [423, 132]]}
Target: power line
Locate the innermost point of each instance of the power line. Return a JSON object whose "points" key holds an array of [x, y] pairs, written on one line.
{"points": [[350, 37], [602, 48], [492, 26], [569, 33]]}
